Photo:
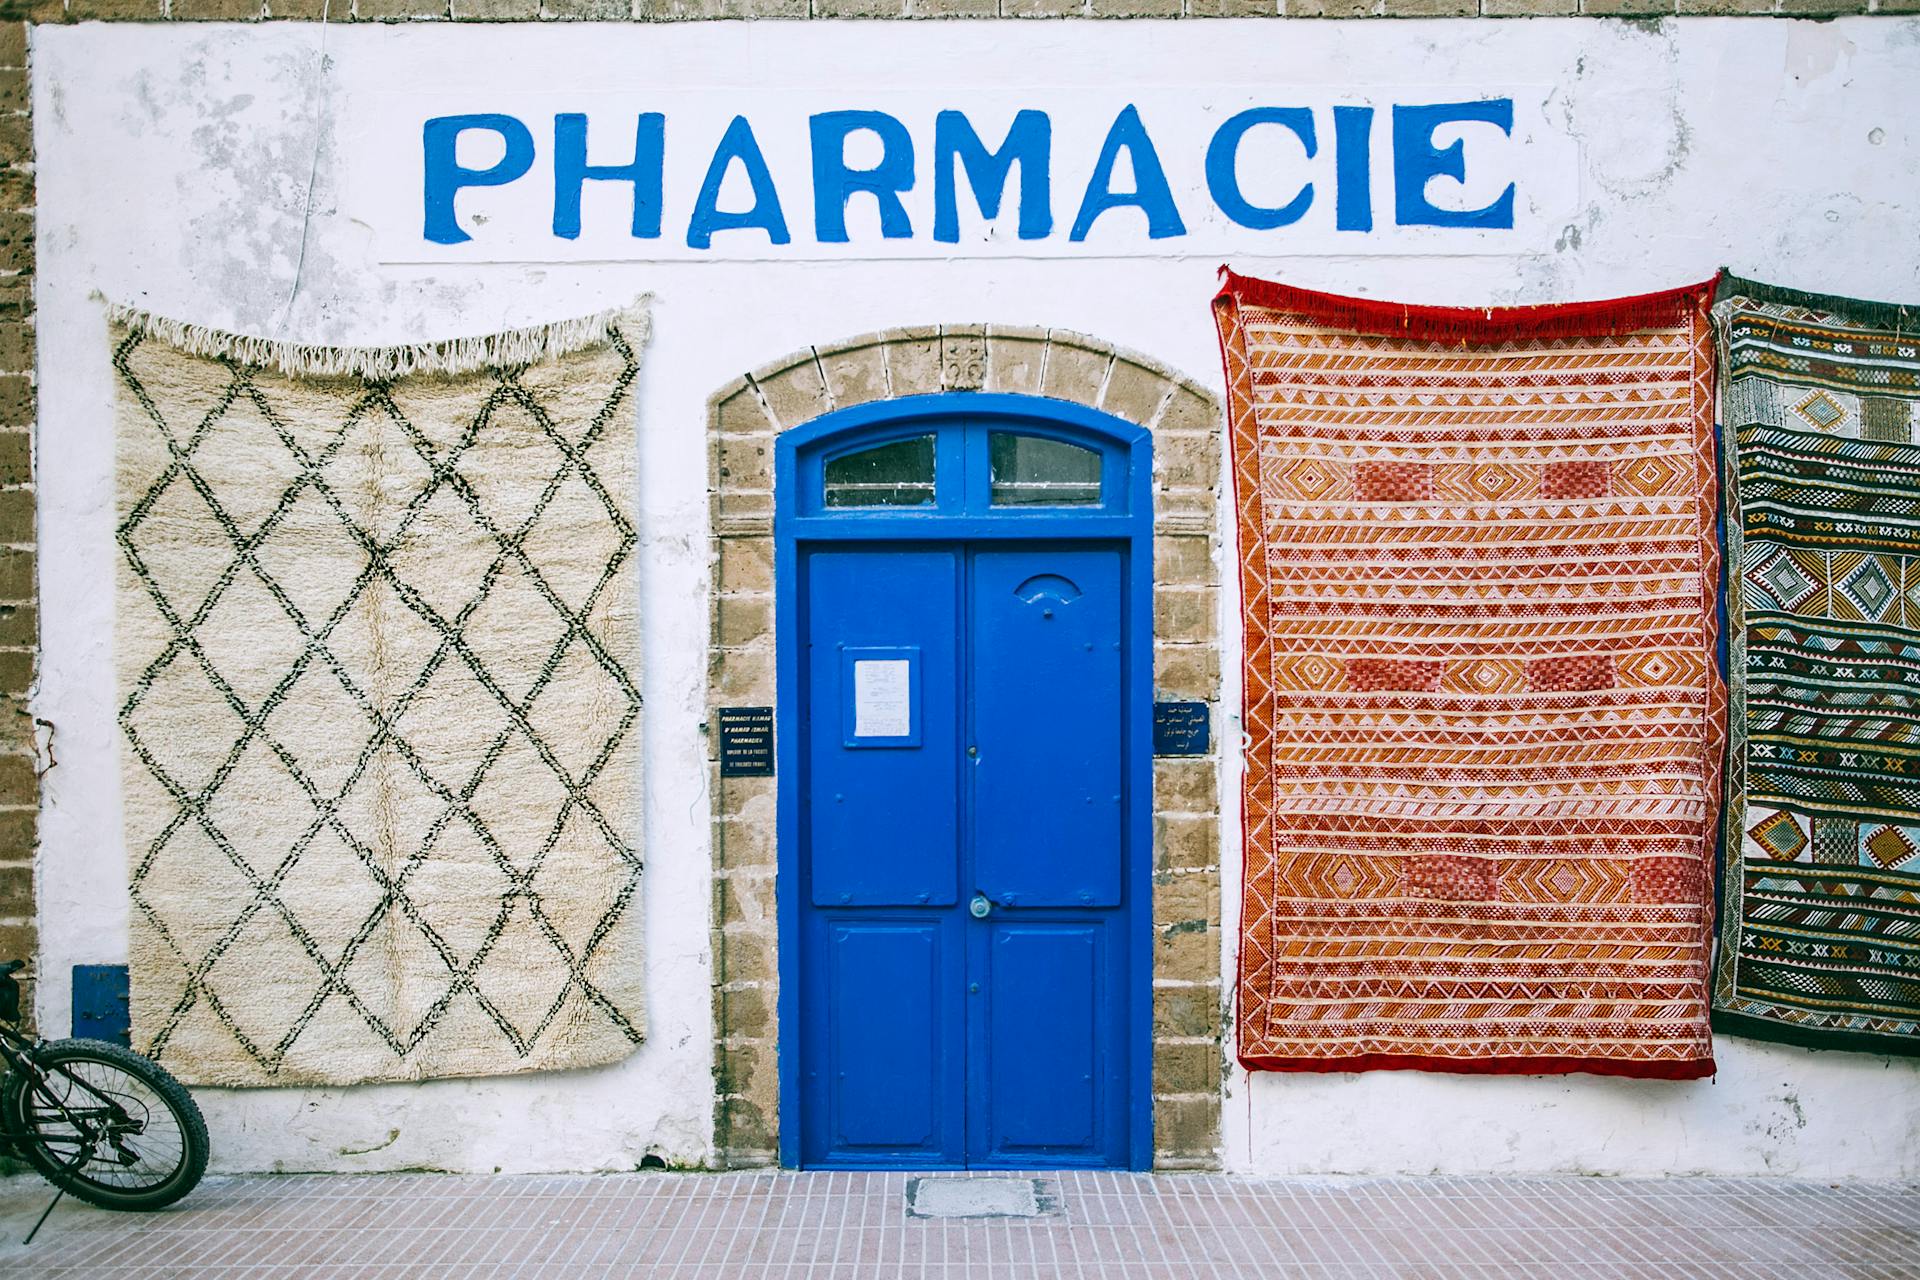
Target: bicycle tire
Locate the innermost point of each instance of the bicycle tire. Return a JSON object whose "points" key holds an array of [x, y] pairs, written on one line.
{"points": [[112, 1067]]}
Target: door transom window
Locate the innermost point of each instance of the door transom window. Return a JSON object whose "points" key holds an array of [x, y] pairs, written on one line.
{"points": [[957, 466]]}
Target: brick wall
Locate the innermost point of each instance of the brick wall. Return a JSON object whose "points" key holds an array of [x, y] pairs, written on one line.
{"points": [[19, 783]]}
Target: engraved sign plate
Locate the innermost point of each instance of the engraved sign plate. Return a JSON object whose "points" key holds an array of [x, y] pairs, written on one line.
{"points": [[1181, 728], [746, 742]]}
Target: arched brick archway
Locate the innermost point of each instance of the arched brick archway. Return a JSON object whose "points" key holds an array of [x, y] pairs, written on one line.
{"points": [[743, 419]]}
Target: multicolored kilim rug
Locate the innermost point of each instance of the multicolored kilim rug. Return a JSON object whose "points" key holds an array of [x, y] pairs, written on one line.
{"points": [[1820, 939], [1478, 581]]}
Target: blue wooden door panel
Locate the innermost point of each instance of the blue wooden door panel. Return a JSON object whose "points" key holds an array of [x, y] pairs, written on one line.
{"points": [[886, 1071], [1049, 779], [1047, 1032], [882, 1045], [883, 809]]}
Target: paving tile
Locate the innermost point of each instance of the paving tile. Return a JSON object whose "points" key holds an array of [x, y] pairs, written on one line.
{"points": [[1103, 1226]]}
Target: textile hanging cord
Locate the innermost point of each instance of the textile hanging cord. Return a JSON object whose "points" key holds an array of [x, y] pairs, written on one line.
{"points": [[1820, 934], [1478, 579]]}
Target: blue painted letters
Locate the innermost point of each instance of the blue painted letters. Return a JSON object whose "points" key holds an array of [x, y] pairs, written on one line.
{"points": [[1150, 193], [571, 172], [1127, 173], [1029, 144], [1223, 177], [834, 183], [737, 144], [445, 175], [1353, 175], [1416, 162]]}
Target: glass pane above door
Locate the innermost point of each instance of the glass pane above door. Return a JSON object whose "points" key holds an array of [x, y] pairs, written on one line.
{"points": [[1034, 471], [896, 474]]}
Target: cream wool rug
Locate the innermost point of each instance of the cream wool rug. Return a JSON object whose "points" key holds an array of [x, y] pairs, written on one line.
{"points": [[378, 659]]}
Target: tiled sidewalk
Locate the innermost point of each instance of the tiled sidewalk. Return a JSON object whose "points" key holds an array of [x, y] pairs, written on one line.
{"points": [[820, 1225]]}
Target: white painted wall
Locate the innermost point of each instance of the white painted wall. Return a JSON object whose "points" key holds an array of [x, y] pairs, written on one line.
{"points": [[174, 169]]}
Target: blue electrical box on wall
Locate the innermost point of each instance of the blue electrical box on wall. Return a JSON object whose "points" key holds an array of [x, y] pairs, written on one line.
{"points": [[100, 1002]]}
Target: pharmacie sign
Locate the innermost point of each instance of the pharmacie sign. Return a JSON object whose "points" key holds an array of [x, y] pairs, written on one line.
{"points": [[1063, 173]]}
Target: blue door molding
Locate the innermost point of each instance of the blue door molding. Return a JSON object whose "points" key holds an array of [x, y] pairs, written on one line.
{"points": [[960, 518]]}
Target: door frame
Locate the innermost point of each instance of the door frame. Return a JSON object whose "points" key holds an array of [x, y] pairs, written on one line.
{"points": [[1132, 526]]}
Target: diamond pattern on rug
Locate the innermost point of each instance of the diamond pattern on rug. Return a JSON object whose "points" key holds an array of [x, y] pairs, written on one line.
{"points": [[1781, 583], [380, 716], [1889, 847], [1780, 835], [1869, 588], [1820, 410]]}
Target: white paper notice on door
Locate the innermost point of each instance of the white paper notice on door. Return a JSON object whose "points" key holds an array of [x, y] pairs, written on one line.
{"points": [[882, 705]]}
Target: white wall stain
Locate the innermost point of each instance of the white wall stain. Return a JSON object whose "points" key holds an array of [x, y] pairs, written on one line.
{"points": [[1631, 118]]}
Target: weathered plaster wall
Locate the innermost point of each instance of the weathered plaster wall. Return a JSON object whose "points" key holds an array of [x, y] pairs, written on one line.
{"points": [[173, 174]]}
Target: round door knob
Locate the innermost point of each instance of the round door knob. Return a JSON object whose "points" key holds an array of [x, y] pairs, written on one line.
{"points": [[981, 907]]}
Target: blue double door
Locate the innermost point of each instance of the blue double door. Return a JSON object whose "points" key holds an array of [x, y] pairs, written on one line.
{"points": [[965, 958]]}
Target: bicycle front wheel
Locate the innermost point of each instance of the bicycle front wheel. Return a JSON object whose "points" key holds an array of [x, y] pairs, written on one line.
{"points": [[106, 1125]]}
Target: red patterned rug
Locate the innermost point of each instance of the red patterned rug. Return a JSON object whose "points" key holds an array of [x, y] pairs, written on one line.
{"points": [[1478, 579]]}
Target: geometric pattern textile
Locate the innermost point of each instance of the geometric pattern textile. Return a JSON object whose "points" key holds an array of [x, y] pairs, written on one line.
{"points": [[377, 658], [1478, 583], [1820, 929]]}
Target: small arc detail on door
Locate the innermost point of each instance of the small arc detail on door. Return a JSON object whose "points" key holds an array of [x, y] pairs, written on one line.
{"points": [[1050, 587]]}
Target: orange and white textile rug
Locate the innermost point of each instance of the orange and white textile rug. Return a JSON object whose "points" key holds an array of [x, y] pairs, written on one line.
{"points": [[1478, 578]]}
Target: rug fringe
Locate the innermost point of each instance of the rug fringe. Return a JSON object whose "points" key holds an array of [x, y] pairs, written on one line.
{"points": [[1667, 309], [532, 345], [1900, 318]]}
